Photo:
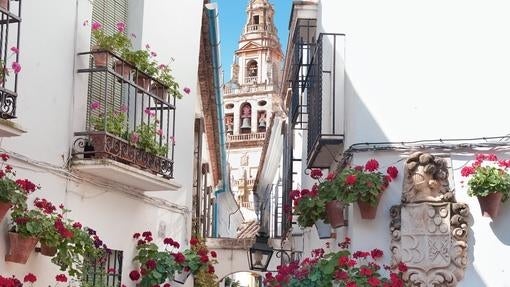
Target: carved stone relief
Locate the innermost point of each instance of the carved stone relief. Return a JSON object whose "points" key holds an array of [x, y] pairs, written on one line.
{"points": [[429, 229]]}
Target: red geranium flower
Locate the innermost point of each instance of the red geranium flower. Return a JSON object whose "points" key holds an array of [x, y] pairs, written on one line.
{"points": [[194, 241], [31, 278], [350, 179], [134, 275], [61, 278]]}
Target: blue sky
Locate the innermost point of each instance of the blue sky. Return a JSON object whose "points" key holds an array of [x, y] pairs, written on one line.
{"points": [[232, 17]]}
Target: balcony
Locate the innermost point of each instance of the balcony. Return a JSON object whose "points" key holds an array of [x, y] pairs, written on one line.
{"points": [[246, 137], [262, 88], [248, 205], [250, 80], [325, 101], [129, 127], [10, 21]]}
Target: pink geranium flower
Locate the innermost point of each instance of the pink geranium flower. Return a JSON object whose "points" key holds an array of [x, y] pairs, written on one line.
{"points": [[121, 27], [96, 26]]}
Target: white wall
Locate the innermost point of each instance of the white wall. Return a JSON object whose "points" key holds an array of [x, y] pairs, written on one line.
{"points": [[48, 89], [424, 70]]}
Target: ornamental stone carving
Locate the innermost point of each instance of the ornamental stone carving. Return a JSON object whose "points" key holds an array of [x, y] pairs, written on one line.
{"points": [[429, 229]]}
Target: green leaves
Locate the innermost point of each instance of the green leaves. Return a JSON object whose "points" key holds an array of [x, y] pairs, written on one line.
{"points": [[489, 179]]}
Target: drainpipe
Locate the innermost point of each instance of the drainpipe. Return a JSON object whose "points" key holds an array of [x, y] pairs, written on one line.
{"points": [[212, 13]]}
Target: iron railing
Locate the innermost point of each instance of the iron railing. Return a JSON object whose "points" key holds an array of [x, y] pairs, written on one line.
{"points": [[129, 118], [303, 45], [10, 20], [322, 63]]}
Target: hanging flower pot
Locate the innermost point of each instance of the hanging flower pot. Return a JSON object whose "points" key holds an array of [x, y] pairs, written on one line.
{"points": [[367, 210], [489, 204], [181, 277], [323, 229], [20, 248], [4, 207], [48, 250], [335, 213]]}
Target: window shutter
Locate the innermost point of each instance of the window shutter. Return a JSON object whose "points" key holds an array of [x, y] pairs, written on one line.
{"points": [[108, 13]]}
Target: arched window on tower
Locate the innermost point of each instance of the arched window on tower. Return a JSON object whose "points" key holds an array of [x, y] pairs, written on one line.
{"points": [[251, 72], [256, 19], [245, 119]]}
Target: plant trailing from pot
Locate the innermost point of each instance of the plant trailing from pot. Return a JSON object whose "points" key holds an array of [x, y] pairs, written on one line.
{"points": [[156, 266], [49, 237], [489, 181], [170, 86], [308, 206], [361, 184], [116, 43], [340, 268], [199, 258], [13, 192]]}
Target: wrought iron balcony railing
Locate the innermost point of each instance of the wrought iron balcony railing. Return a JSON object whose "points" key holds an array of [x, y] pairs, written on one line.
{"points": [[10, 20], [128, 119], [325, 100]]}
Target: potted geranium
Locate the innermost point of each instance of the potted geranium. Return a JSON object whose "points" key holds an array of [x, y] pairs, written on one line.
{"points": [[341, 268], [12, 191], [5, 70], [24, 233], [489, 181], [156, 266], [166, 84], [198, 260], [49, 237], [308, 206], [361, 184], [144, 61], [105, 43]]}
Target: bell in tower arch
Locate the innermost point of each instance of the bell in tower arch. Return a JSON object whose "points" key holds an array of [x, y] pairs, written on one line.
{"points": [[246, 123], [246, 117]]}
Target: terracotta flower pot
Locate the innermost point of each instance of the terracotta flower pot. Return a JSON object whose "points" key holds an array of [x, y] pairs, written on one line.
{"points": [[48, 250], [368, 211], [101, 59], [4, 4], [143, 81], [4, 207], [335, 213], [490, 204], [123, 69], [160, 92], [20, 248]]}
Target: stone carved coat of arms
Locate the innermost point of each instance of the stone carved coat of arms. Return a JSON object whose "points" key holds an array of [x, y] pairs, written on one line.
{"points": [[429, 229]]}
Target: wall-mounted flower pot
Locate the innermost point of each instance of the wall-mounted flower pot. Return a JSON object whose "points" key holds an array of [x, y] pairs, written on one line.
{"points": [[323, 229], [20, 248], [335, 213], [48, 250], [4, 207], [368, 211], [490, 204], [181, 277]]}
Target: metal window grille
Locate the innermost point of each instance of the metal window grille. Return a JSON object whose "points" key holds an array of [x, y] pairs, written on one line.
{"points": [[105, 271]]}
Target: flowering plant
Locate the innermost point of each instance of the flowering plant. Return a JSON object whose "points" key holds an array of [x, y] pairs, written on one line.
{"points": [[12, 190], [308, 205], [117, 42], [143, 60], [114, 121], [197, 257], [147, 136], [167, 79], [341, 267], [156, 266], [15, 66], [363, 183], [488, 175]]}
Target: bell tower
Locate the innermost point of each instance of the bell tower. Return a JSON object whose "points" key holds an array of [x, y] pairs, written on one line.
{"points": [[250, 94]]}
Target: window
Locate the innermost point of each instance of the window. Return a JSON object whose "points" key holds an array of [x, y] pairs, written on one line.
{"points": [[106, 271], [256, 19], [252, 68]]}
